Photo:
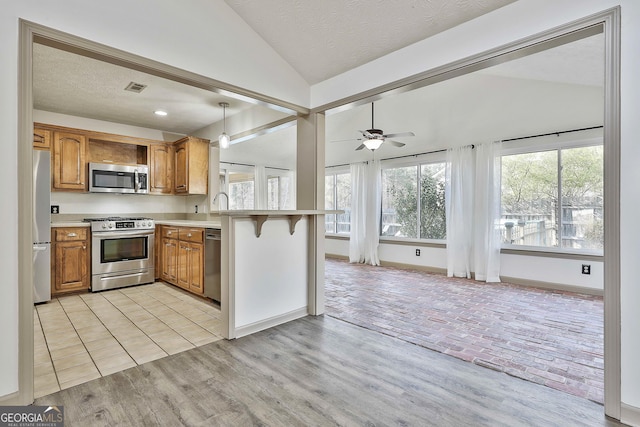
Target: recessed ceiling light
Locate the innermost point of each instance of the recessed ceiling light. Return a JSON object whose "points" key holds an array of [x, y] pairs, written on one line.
{"points": [[160, 113]]}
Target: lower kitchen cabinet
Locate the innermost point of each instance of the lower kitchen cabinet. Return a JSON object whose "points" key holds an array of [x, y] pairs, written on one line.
{"points": [[182, 258], [168, 258], [191, 266], [71, 258]]}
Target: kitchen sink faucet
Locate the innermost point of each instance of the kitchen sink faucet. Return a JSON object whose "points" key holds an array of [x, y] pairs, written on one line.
{"points": [[216, 198]]}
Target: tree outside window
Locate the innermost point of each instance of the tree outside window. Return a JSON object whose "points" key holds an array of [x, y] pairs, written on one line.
{"points": [[543, 208], [411, 210]]}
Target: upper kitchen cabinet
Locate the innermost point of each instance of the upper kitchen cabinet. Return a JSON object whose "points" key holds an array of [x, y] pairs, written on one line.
{"points": [[69, 161], [41, 138], [161, 169], [191, 165]]}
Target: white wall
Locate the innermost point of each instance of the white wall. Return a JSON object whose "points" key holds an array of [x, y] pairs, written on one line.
{"points": [[508, 24], [201, 36], [270, 271]]}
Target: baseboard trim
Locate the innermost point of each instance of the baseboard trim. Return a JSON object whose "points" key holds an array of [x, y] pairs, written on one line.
{"points": [[552, 286], [271, 322], [506, 279], [629, 414], [12, 399], [425, 268]]}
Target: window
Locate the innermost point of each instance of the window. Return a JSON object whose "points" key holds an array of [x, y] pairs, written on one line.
{"points": [[413, 201], [280, 189], [337, 196], [241, 190], [554, 198]]}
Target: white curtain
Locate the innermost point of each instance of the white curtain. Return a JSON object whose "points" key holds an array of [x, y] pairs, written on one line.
{"points": [[365, 212], [459, 210], [486, 241]]}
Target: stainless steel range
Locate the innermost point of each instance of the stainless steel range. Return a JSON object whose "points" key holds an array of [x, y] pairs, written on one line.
{"points": [[121, 252]]}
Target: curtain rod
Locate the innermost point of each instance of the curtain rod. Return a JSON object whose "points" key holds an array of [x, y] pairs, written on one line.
{"points": [[558, 133], [253, 166]]}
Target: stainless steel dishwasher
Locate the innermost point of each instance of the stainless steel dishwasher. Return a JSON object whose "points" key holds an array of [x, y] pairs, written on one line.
{"points": [[212, 263]]}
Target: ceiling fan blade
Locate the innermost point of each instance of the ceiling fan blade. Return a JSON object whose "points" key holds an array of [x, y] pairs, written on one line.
{"points": [[366, 134], [395, 143], [360, 147], [399, 135]]}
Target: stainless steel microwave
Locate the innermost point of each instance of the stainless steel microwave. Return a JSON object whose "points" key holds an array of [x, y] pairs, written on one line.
{"points": [[112, 178]]}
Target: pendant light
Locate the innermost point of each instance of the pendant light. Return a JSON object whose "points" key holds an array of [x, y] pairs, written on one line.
{"points": [[224, 140]]}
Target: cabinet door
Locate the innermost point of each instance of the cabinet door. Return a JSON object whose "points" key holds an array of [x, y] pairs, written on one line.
{"points": [[71, 266], [69, 161], [183, 264], [169, 260], [196, 267], [41, 138], [181, 168], [161, 170]]}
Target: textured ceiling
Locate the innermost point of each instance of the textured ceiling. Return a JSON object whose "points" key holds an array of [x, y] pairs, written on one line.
{"points": [[71, 84], [323, 38]]}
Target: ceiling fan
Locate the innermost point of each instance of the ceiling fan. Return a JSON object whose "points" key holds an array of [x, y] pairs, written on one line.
{"points": [[373, 138]]}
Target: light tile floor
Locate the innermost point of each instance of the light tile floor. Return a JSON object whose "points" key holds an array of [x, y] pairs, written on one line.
{"points": [[79, 338]]}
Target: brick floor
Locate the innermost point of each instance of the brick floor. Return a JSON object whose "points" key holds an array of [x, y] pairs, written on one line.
{"points": [[548, 337]]}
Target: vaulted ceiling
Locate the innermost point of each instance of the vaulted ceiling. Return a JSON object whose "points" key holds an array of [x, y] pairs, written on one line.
{"points": [[321, 39]]}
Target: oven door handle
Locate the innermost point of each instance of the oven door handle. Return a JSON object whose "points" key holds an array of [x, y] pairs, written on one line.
{"points": [[132, 233]]}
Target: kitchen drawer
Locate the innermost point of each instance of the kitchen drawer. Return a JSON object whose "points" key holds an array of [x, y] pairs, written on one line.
{"points": [[68, 234], [195, 235], [170, 232]]}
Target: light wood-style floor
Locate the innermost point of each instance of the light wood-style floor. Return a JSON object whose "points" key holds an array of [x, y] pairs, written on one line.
{"points": [[318, 371]]}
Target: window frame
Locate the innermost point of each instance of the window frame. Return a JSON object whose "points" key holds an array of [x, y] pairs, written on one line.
{"points": [[418, 161], [560, 143], [334, 171]]}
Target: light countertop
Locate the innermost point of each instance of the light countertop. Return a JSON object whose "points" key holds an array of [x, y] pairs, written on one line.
{"points": [[189, 223], [71, 224]]}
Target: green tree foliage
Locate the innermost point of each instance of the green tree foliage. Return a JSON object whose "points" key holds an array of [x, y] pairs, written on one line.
{"points": [[403, 192]]}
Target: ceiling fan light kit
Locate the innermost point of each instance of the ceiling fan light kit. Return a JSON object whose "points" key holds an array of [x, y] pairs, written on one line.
{"points": [[374, 138], [373, 144]]}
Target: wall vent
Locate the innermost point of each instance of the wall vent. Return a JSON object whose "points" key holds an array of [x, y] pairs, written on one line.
{"points": [[135, 87]]}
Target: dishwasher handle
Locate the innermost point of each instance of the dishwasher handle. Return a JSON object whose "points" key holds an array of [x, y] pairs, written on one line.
{"points": [[213, 234]]}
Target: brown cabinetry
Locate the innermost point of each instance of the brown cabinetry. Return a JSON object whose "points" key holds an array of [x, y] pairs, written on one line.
{"points": [[191, 165], [182, 259], [161, 169], [181, 167], [169, 254], [41, 138], [69, 161], [70, 263]]}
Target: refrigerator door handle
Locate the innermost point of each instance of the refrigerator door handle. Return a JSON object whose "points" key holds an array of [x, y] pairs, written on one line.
{"points": [[39, 248]]}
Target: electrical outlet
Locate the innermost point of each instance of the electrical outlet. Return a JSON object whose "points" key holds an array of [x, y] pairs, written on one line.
{"points": [[55, 209], [586, 268], [417, 252]]}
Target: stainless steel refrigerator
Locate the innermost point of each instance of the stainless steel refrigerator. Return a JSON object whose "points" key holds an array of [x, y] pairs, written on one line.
{"points": [[41, 226]]}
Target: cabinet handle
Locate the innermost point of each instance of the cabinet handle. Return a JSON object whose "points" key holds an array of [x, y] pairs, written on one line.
{"points": [[72, 234], [84, 247], [169, 233], [189, 235]]}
